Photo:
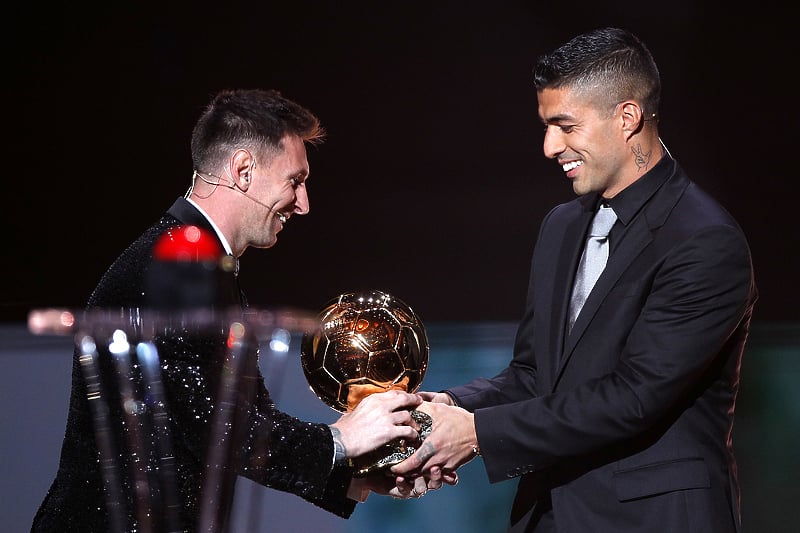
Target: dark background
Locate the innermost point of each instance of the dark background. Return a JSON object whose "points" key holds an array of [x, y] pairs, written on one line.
{"points": [[431, 185], [432, 182]]}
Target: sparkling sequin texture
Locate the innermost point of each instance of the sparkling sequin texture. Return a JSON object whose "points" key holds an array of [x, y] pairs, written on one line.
{"points": [[269, 446]]}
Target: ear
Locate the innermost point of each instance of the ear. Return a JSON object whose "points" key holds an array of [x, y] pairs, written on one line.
{"points": [[632, 118], [241, 165]]}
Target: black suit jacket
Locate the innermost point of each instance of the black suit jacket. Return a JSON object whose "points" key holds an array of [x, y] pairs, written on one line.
{"points": [[624, 423], [276, 449]]}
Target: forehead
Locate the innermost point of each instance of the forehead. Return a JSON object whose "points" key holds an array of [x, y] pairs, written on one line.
{"points": [[293, 157]]}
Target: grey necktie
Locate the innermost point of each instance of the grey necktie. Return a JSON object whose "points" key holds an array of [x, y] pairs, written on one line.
{"points": [[593, 260]]}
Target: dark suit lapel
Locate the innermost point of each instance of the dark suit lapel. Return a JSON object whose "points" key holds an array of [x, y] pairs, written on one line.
{"points": [[567, 263], [639, 236]]}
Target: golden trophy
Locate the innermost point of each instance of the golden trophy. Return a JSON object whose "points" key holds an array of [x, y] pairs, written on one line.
{"points": [[367, 342]]}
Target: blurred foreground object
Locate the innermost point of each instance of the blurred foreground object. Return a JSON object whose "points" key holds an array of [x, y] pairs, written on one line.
{"points": [[121, 364]]}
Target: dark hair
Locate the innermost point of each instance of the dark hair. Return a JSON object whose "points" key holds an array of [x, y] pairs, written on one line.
{"points": [[609, 65], [251, 118]]}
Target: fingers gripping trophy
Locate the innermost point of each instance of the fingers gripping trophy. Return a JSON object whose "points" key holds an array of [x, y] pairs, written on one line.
{"points": [[367, 342]]}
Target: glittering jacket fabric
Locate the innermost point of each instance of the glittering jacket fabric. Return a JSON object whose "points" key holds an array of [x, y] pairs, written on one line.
{"points": [[270, 447]]}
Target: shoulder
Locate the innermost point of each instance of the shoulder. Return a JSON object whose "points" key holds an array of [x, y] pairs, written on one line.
{"points": [[566, 212], [681, 209], [701, 236], [122, 283], [698, 213]]}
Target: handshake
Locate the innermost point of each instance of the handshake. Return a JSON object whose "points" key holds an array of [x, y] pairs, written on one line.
{"points": [[393, 416]]}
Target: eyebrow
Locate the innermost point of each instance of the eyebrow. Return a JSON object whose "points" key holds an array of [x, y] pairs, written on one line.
{"points": [[558, 119]]}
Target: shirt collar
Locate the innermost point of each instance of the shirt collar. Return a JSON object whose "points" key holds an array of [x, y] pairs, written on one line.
{"points": [[632, 198], [220, 236]]}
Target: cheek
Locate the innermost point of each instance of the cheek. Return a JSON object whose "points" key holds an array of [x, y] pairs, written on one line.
{"points": [[603, 148]]}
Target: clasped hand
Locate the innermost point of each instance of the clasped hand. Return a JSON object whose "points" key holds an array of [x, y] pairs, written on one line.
{"points": [[378, 419], [451, 443]]}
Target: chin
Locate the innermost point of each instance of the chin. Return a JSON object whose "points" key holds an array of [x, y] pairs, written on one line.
{"points": [[267, 243]]}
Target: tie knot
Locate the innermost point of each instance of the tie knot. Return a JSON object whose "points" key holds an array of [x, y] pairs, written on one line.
{"points": [[603, 220]]}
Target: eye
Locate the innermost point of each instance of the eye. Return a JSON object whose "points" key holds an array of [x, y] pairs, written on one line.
{"points": [[295, 181], [565, 128]]}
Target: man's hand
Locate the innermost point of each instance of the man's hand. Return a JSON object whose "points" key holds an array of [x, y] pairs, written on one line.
{"points": [[400, 487], [379, 418], [436, 397], [451, 443]]}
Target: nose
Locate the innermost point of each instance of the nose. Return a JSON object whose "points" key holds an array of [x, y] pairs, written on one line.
{"points": [[553, 144], [301, 203]]}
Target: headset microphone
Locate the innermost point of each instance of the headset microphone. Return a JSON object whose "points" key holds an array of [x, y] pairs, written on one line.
{"points": [[278, 214], [229, 183]]}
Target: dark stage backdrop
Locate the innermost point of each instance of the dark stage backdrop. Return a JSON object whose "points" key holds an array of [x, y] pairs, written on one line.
{"points": [[431, 185], [432, 182]]}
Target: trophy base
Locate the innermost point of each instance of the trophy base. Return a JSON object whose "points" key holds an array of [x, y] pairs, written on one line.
{"points": [[394, 452]]}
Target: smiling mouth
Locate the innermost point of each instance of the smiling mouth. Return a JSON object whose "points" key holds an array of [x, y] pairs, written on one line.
{"points": [[571, 165], [283, 218]]}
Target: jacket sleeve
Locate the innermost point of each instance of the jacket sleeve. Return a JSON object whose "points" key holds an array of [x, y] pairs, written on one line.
{"points": [[272, 448]]}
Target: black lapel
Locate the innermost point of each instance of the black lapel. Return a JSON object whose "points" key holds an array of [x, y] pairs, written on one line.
{"points": [[567, 264], [639, 236]]}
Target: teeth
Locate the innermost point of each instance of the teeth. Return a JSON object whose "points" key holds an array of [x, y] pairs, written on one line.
{"points": [[282, 218], [569, 166]]}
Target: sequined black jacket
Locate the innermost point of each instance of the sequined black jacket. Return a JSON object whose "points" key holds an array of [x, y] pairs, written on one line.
{"points": [[274, 449]]}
